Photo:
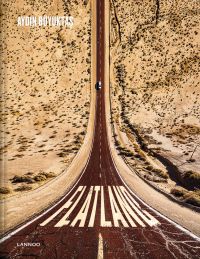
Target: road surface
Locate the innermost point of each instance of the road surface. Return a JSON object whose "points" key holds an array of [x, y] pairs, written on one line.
{"points": [[100, 217]]}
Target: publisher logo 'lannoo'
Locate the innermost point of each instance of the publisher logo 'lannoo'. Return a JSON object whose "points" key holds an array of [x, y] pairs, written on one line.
{"points": [[28, 244]]}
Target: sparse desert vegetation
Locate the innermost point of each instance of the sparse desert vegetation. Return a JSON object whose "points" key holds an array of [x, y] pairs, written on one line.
{"points": [[155, 91], [5, 190], [191, 197], [26, 182], [45, 76]]}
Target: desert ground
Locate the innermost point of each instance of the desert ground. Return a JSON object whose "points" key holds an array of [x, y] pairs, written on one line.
{"points": [[45, 90], [155, 92]]}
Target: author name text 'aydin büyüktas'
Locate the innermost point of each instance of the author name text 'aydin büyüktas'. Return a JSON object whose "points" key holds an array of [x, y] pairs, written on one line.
{"points": [[65, 21]]}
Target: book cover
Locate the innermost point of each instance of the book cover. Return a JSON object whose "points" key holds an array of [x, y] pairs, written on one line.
{"points": [[100, 126]]}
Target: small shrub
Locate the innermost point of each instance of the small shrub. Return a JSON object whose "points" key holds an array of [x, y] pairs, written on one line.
{"points": [[159, 180], [160, 173], [49, 174], [192, 198], [43, 176], [137, 156], [22, 179], [192, 178], [40, 177], [75, 148], [61, 154], [125, 152], [149, 167], [154, 179], [23, 188], [5, 190], [178, 191]]}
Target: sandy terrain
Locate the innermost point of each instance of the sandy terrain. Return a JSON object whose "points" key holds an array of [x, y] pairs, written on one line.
{"points": [[155, 91], [46, 92], [159, 200]]}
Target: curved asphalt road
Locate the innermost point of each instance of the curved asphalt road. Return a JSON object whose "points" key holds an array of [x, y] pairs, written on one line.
{"points": [[100, 217]]}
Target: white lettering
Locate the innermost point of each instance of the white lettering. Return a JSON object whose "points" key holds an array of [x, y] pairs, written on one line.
{"points": [[127, 209], [104, 223], [65, 206], [151, 221], [82, 215], [19, 21], [117, 216], [64, 221], [115, 201], [92, 218], [40, 21]]}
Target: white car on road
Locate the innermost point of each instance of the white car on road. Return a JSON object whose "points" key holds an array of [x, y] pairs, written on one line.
{"points": [[98, 85]]}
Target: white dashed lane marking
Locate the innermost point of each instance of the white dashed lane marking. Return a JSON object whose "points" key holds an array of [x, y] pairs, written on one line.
{"points": [[100, 247]]}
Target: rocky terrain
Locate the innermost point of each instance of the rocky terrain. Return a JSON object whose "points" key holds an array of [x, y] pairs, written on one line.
{"points": [[155, 92], [45, 79]]}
